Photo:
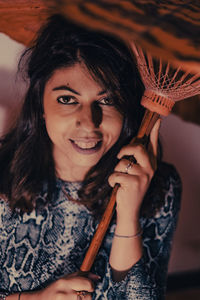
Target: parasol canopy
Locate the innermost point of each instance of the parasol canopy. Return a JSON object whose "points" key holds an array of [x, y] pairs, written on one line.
{"points": [[168, 29]]}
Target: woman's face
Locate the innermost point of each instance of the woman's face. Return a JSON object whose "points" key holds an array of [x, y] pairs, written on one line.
{"points": [[81, 121]]}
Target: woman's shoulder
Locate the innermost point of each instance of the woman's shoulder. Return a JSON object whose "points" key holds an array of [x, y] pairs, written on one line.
{"points": [[170, 188], [168, 172], [171, 183], [164, 193], [166, 178]]}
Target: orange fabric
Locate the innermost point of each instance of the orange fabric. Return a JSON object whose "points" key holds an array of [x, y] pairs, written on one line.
{"points": [[170, 30]]}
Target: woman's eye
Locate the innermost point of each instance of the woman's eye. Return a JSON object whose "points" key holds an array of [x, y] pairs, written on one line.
{"points": [[67, 100], [106, 101]]}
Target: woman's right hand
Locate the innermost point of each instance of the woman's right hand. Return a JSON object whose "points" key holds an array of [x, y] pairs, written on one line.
{"points": [[65, 288]]}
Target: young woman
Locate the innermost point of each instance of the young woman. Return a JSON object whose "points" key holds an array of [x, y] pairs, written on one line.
{"points": [[70, 146]]}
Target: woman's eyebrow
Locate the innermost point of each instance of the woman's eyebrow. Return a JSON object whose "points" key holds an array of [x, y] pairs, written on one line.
{"points": [[68, 88], [65, 88], [102, 92]]}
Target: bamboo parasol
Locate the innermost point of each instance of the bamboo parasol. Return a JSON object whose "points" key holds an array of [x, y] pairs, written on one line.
{"points": [[168, 29]]}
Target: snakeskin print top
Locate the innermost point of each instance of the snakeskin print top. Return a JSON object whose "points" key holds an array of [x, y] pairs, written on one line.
{"points": [[39, 247]]}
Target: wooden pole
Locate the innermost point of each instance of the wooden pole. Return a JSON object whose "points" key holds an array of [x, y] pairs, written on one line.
{"points": [[148, 121]]}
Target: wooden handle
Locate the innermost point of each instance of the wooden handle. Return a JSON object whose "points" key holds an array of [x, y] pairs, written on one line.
{"points": [[100, 233], [148, 121]]}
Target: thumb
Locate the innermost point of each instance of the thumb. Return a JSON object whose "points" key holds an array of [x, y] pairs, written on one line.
{"points": [[80, 283]]}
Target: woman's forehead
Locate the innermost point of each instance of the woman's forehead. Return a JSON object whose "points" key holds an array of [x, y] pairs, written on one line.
{"points": [[76, 77]]}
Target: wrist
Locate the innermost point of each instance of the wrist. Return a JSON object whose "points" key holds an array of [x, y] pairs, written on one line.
{"points": [[127, 228], [138, 234], [128, 218]]}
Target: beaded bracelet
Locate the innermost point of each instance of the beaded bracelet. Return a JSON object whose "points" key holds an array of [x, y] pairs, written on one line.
{"points": [[139, 233]]}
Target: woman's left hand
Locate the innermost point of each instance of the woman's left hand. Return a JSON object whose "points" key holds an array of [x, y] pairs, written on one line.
{"points": [[135, 180]]}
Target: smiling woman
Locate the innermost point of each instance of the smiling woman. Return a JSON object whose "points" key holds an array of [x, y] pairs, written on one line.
{"points": [[81, 120], [70, 145]]}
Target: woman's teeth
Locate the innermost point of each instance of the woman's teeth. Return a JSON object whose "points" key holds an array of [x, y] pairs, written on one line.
{"points": [[86, 145]]}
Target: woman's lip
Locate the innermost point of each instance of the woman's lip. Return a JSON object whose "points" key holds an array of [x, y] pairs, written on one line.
{"points": [[93, 150], [86, 140]]}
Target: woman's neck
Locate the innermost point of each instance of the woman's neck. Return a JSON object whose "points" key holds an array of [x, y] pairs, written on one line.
{"points": [[71, 174]]}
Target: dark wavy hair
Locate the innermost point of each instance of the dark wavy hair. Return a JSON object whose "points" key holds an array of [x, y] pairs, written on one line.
{"points": [[26, 151]]}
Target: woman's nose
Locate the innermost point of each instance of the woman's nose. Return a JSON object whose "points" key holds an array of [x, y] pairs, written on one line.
{"points": [[90, 116]]}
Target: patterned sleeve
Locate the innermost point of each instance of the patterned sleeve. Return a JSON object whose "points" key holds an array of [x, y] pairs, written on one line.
{"points": [[147, 278]]}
